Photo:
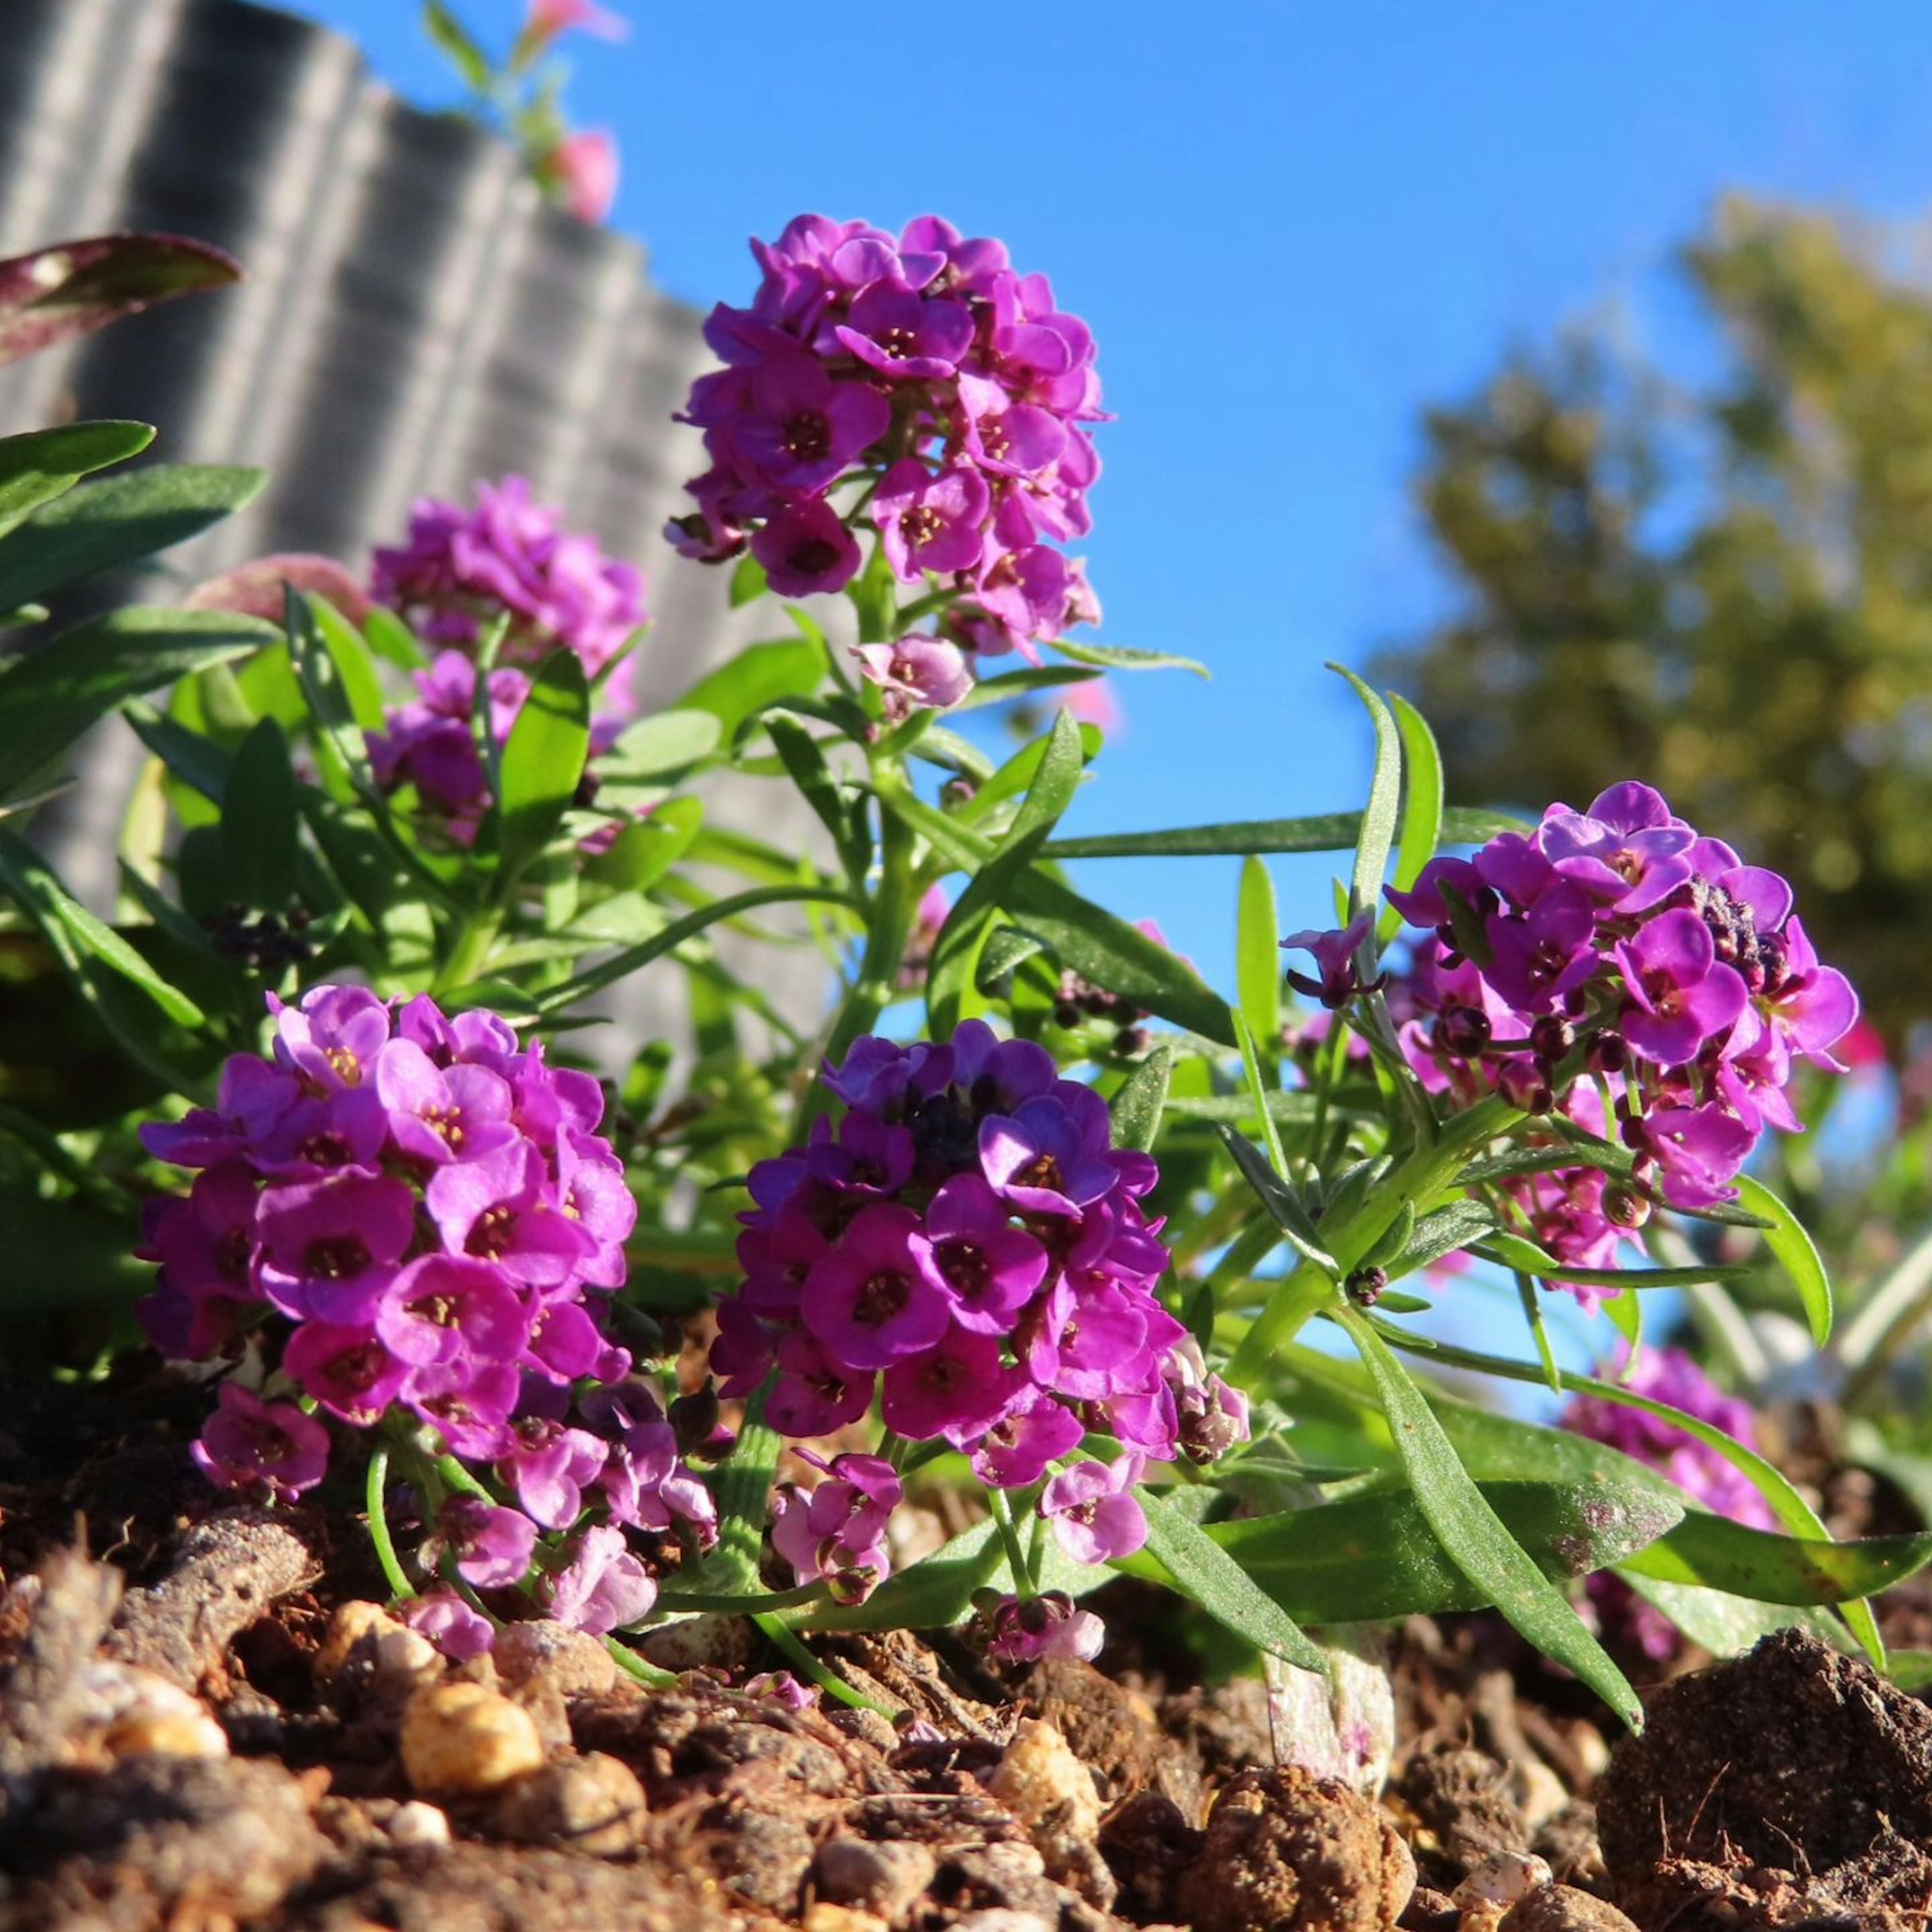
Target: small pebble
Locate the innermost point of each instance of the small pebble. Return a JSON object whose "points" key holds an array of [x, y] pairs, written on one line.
{"points": [[1562, 1908], [1000, 1919], [418, 1825], [822, 1915], [571, 1662], [886, 1878], [592, 1804], [458, 1737], [363, 1640], [127, 1711], [1040, 1780], [1494, 1885]]}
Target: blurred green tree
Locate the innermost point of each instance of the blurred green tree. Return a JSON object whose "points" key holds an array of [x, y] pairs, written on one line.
{"points": [[1727, 592]]}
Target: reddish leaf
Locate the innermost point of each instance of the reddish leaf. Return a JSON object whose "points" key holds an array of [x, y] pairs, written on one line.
{"points": [[56, 293], [257, 588]]}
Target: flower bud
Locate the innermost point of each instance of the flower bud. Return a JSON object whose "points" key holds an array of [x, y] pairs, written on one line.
{"points": [[1463, 1031]]}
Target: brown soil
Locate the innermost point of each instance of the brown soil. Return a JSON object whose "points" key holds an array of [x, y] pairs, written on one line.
{"points": [[206, 1726]]}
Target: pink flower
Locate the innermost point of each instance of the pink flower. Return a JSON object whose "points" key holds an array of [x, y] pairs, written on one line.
{"points": [[548, 18], [586, 164]]}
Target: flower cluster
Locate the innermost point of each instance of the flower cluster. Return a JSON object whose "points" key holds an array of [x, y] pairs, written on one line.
{"points": [[1669, 1375], [413, 1219], [956, 386], [1617, 954], [967, 1245], [464, 570]]}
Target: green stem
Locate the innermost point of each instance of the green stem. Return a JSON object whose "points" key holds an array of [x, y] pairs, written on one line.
{"points": [[374, 1486], [730, 1603], [628, 1660], [784, 1638], [474, 938], [1417, 1180], [1017, 1562]]}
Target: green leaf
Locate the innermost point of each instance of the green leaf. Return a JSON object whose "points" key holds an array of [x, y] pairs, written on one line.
{"points": [[1258, 955], [392, 640], [742, 1487], [1446, 1232], [874, 593], [119, 520], [1784, 1234], [455, 40], [1912, 1669], [1205, 1572], [760, 675], [1377, 837], [1327, 832], [259, 820], [1718, 1554], [354, 665], [666, 741], [1421, 805], [1022, 683], [1375, 1556], [1120, 657], [1513, 1251], [44, 463], [543, 763], [956, 951], [1474, 1536], [805, 760], [1136, 1106], [1284, 1206], [27, 876], [748, 582], [48, 699], [641, 854], [607, 973], [1725, 1625], [1790, 1508]]}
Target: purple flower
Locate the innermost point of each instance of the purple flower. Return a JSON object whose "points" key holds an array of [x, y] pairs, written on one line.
{"points": [[604, 1587], [1046, 1627], [868, 1300], [346, 1370], [1034, 1433], [929, 522], [436, 1115], [1093, 1511], [548, 1464], [989, 1269], [1681, 994], [806, 549], [893, 329], [329, 1248], [491, 1546], [270, 1449], [1538, 958], [459, 1632], [1337, 961], [1051, 1154], [803, 430], [448, 1309], [501, 1208], [1626, 848], [959, 1390], [915, 674], [837, 1534], [461, 569]]}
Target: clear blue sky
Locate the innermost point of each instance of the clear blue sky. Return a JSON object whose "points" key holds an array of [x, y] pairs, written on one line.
{"points": [[1292, 226]]}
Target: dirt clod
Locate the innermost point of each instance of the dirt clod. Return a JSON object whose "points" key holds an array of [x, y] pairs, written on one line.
{"points": [[461, 1738], [1286, 1851], [884, 1878], [1789, 1784], [1562, 1908], [593, 1804]]}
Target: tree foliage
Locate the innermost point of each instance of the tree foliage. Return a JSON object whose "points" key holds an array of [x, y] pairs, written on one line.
{"points": [[1727, 592]]}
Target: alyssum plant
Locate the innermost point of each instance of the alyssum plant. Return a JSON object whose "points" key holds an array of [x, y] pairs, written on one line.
{"points": [[1058, 1248]]}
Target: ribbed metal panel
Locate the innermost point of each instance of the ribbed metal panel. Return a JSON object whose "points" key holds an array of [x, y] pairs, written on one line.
{"points": [[415, 316]]}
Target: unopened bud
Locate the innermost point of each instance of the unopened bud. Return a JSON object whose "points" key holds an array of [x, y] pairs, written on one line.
{"points": [[1551, 1038], [1609, 1053], [1366, 1285], [1463, 1031], [1623, 1206]]}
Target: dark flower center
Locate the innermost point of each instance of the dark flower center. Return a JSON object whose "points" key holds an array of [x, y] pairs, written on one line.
{"points": [[898, 342], [494, 1230], [883, 1295], [967, 1266], [336, 1257], [807, 437], [921, 526], [1043, 1171], [814, 556]]}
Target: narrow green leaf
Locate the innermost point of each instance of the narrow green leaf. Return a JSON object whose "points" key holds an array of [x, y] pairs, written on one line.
{"points": [[1718, 1554], [1204, 1572], [559, 999], [1375, 1556], [454, 39], [1136, 1107], [260, 821], [1120, 657], [1446, 1232], [1377, 837], [748, 582], [643, 854], [27, 876], [1023, 683], [666, 741], [117, 521], [354, 664], [48, 699], [1784, 1234], [1421, 805], [741, 1485], [1469, 1529], [1257, 1092], [392, 640], [1258, 969], [1284, 1206], [952, 979], [1327, 832], [1727, 1626], [543, 763], [805, 760], [1787, 1504], [44, 463]]}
